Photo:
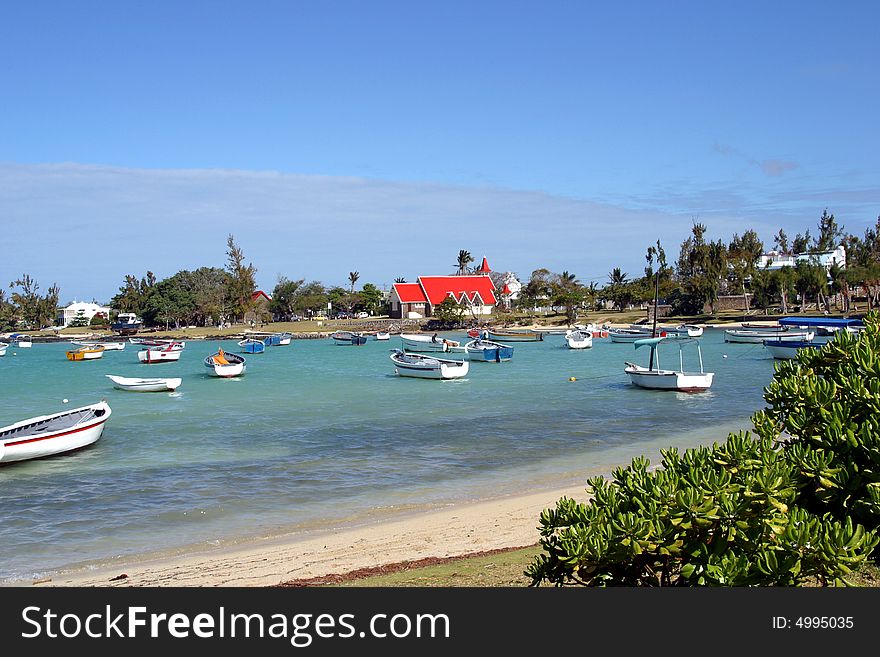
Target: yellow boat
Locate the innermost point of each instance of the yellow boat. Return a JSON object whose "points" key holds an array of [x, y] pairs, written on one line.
{"points": [[86, 353]]}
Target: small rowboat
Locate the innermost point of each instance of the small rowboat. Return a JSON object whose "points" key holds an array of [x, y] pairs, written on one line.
{"points": [[426, 343], [225, 364], [108, 346], [758, 337], [515, 336], [47, 435], [427, 367], [144, 385], [85, 353], [488, 351], [21, 340], [788, 349], [168, 353], [579, 339], [383, 335], [252, 346], [3, 348]]}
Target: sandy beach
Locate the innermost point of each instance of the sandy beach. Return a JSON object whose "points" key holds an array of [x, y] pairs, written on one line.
{"points": [[503, 523]]}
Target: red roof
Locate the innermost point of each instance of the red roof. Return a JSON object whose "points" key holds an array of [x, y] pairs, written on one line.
{"points": [[410, 293], [437, 288], [260, 293], [506, 289], [484, 268]]}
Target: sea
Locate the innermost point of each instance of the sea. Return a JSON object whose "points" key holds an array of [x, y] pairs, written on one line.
{"points": [[317, 436]]}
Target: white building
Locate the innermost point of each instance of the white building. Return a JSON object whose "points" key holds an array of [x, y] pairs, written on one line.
{"points": [[83, 309], [775, 260]]}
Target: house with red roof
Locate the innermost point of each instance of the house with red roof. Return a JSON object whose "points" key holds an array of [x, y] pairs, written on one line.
{"points": [[416, 300]]}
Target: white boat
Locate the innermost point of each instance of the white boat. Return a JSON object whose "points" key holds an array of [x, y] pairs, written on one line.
{"points": [[788, 349], [108, 346], [164, 354], [85, 353], [685, 330], [383, 335], [426, 343], [488, 351], [22, 341], [593, 330], [428, 367], [284, 339], [47, 435], [757, 337], [144, 385], [146, 342], [679, 380], [579, 339], [225, 364], [631, 335], [3, 348]]}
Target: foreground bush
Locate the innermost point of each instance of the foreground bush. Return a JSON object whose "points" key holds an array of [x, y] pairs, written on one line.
{"points": [[786, 506]]}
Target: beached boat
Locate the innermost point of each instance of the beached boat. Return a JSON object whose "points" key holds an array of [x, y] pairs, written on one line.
{"points": [[383, 335], [48, 435], [3, 347], [655, 378], [426, 343], [144, 385], [515, 336], [252, 346], [427, 367], [108, 346], [160, 354], [85, 353], [579, 339], [788, 350], [225, 364], [127, 323], [488, 351], [752, 336]]}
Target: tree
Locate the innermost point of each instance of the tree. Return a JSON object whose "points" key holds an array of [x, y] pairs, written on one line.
{"points": [[742, 256], [400, 279], [34, 309], [449, 312], [285, 296], [810, 280], [830, 234], [242, 282], [780, 241], [801, 243], [311, 299], [353, 277], [372, 298], [132, 296], [700, 268], [464, 259]]}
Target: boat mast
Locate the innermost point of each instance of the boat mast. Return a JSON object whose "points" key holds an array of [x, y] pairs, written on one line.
{"points": [[654, 327]]}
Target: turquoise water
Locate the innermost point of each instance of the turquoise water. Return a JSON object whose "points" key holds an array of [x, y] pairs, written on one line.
{"points": [[318, 435]]}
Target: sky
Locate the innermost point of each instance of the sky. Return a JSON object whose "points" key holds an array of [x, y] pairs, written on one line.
{"points": [[383, 137]]}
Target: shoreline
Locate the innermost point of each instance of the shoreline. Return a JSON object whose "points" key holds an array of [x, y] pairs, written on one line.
{"points": [[461, 529]]}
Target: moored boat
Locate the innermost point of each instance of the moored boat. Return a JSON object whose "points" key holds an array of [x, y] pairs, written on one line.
{"points": [[631, 335], [85, 353], [144, 385], [252, 346], [226, 364], [21, 340], [579, 339], [488, 351], [427, 367], [655, 378], [48, 435], [515, 336], [788, 349], [3, 347], [108, 346], [161, 354], [426, 343], [358, 339], [753, 336], [383, 335]]}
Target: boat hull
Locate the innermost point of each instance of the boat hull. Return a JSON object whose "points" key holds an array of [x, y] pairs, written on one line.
{"points": [[579, 340], [151, 356], [514, 336], [85, 354], [39, 445], [782, 350], [424, 343], [144, 385], [752, 336], [428, 368], [669, 379]]}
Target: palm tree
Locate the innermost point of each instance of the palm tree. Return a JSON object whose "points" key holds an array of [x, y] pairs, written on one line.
{"points": [[400, 279], [464, 259], [353, 277], [617, 276]]}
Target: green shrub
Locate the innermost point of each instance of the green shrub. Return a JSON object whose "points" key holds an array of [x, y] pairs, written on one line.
{"points": [[782, 507]]}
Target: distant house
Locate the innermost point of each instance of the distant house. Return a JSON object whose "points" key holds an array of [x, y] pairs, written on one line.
{"points": [[417, 300], [773, 260], [81, 310], [261, 302]]}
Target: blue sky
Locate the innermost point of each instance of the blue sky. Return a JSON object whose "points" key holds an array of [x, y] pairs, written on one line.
{"points": [[383, 137]]}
